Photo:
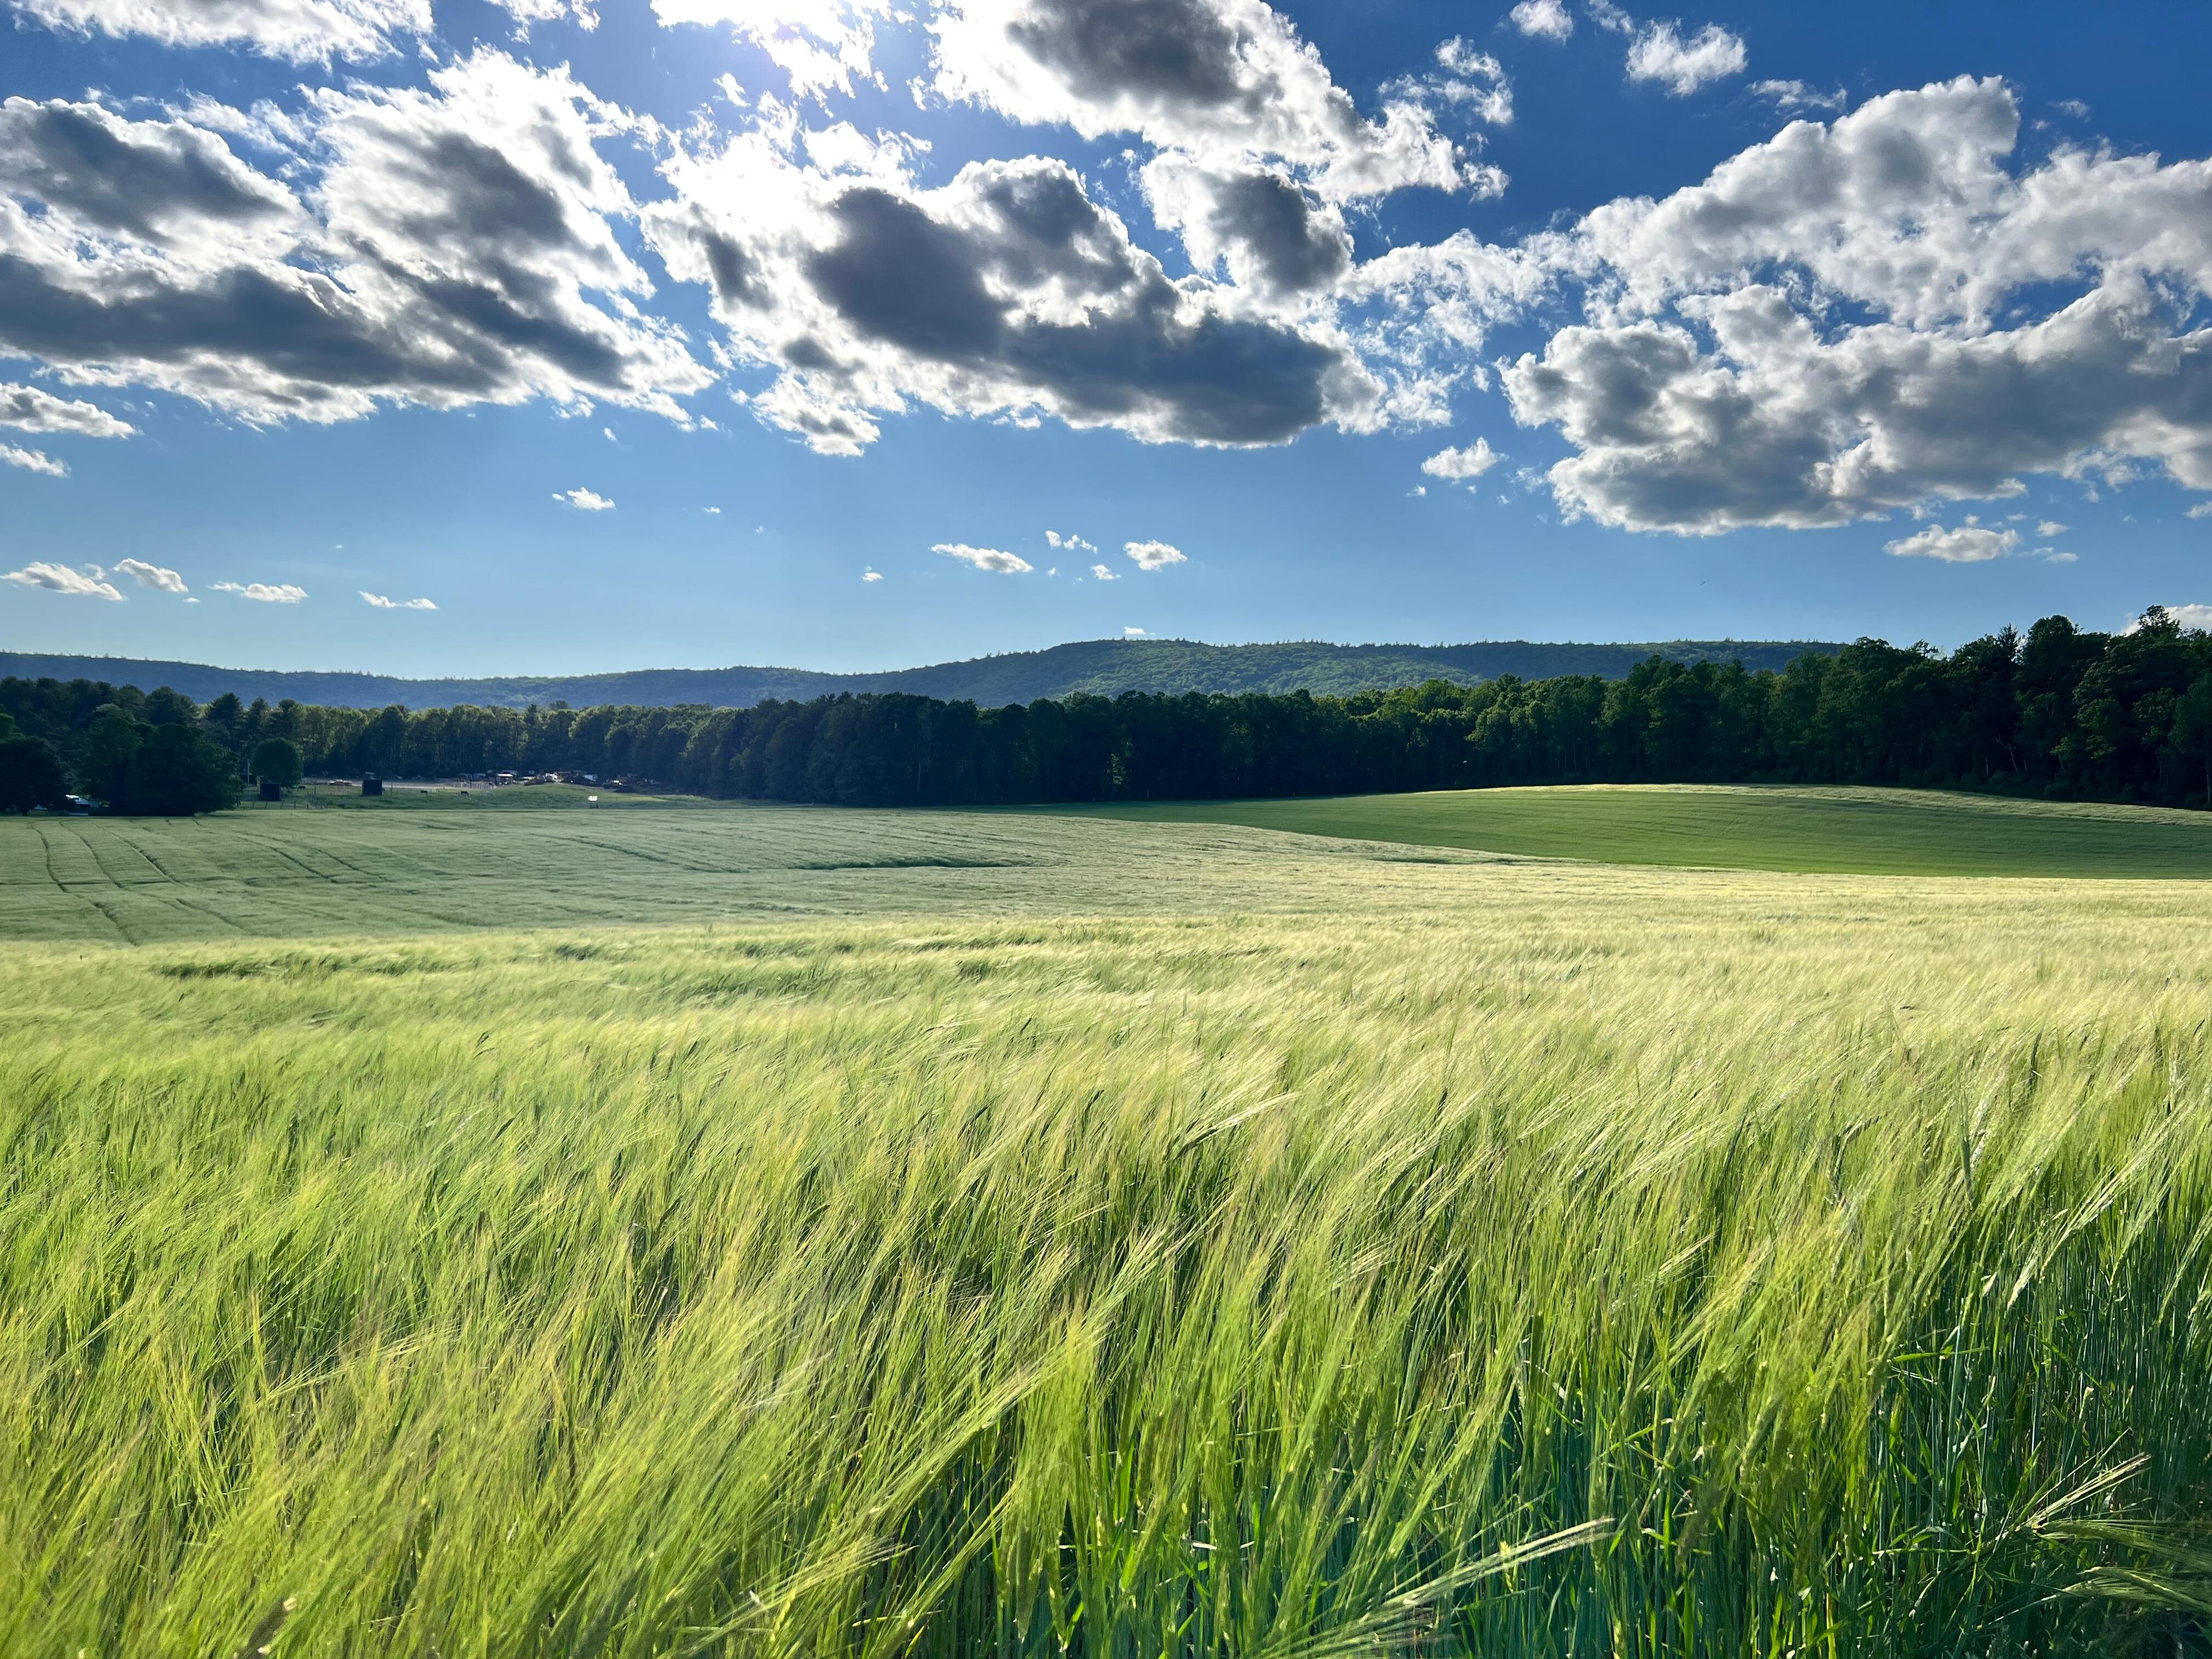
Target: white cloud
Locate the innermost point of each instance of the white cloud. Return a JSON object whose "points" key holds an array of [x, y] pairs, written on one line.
{"points": [[1968, 544], [1071, 541], [2073, 107], [33, 460], [871, 574], [1659, 53], [1466, 78], [584, 501], [1006, 291], [153, 575], [1153, 556], [1796, 95], [528, 14], [1218, 80], [2049, 527], [1105, 573], [2198, 618], [1853, 319], [821, 45], [60, 579], [984, 558], [265, 593], [301, 31], [1546, 20], [381, 603], [1132, 633], [714, 511], [2049, 557], [446, 246], [31, 409], [1471, 462]]}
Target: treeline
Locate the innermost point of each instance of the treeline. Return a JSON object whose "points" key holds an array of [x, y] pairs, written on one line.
{"points": [[2059, 712]]}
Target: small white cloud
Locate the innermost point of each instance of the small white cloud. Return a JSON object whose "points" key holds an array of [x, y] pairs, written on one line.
{"points": [[1970, 545], [1660, 54], [871, 574], [584, 501], [29, 410], [33, 460], [2201, 510], [60, 579], [1546, 20], [1472, 462], [153, 575], [1419, 490], [1132, 633], [1796, 95], [2078, 110], [2049, 557], [1153, 556], [1103, 574], [265, 593], [607, 433], [383, 603], [2049, 528], [1070, 542], [984, 558], [712, 512]]}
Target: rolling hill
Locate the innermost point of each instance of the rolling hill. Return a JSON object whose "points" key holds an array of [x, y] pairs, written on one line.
{"points": [[1106, 667]]}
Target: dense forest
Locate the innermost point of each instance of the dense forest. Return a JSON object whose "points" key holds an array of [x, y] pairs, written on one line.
{"points": [[2058, 711], [1102, 667]]}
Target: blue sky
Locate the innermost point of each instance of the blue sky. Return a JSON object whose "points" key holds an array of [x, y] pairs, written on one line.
{"points": [[1763, 322]]}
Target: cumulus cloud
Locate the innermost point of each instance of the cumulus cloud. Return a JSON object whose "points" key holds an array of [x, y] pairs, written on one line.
{"points": [[1660, 53], [33, 460], [984, 558], [1214, 79], [1878, 313], [1132, 633], [265, 593], [871, 574], [1105, 573], [585, 501], [2049, 527], [445, 246], [85, 584], [1071, 541], [1153, 556], [1546, 20], [1471, 462], [153, 575], [28, 409], [1796, 95], [379, 602], [301, 31], [1968, 544], [1006, 291]]}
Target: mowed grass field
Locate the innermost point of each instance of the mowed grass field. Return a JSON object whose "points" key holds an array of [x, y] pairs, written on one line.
{"points": [[1836, 831], [1047, 1235]]}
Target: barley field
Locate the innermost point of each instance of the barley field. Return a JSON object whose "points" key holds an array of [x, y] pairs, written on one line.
{"points": [[1051, 1236]]}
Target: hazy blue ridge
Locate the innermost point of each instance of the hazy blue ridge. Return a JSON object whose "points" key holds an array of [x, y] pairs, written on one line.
{"points": [[1105, 667]]}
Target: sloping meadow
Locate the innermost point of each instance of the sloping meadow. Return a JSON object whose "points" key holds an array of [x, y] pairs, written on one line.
{"points": [[1527, 1260]]}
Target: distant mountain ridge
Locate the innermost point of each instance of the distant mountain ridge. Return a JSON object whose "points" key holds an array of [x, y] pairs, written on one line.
{"points": [[1105, 667]]}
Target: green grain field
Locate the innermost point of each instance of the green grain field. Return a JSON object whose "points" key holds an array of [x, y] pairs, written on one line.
{"points": [[773, 1231], [1895, 832]]}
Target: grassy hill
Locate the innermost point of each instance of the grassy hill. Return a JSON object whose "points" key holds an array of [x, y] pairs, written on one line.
{"points": [[1838, 831], [1106, 667]]}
